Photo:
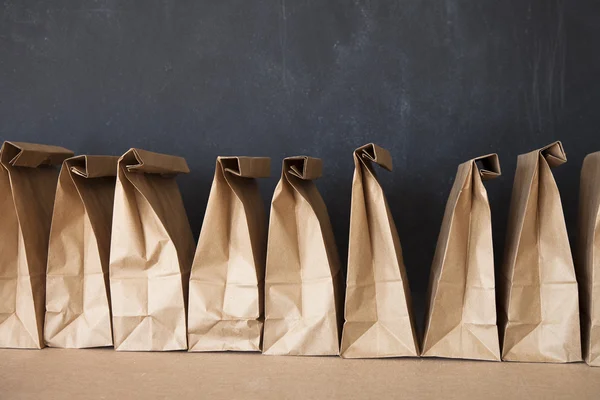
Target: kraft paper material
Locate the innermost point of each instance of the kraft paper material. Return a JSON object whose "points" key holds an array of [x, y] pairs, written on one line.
{"points": [[28, 180], [540, 306], [461, 317], [77, 296], [151, 253], [303, 268], [226, 282], [588, 263], [378, 315]]}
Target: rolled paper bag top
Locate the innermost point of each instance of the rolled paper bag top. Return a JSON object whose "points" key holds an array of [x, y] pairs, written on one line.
{"points": [[226, 282], [77, 292], [28, 187], [462, 272], [540, 301], [378, 315]]}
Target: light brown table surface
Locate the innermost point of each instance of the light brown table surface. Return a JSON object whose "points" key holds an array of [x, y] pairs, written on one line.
{"points": [[106, 374]]}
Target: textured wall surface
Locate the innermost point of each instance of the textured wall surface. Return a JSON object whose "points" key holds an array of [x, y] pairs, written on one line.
{"points": [[435, 82]]}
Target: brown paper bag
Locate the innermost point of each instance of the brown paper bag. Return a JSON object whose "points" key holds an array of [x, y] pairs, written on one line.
{"points": [[77, 299], [303, 267], [150, 255], [378, 315], [540, 311], [226, 282], [588, 264], [28, 185], [461, 317]]}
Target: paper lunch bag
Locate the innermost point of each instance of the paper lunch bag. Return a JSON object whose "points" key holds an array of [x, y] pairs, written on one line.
{"points": [[588, 263], [378, 315], [226, 282], [28, 185], [150, 255], [461, 315], [303, 267], [540, 311], [77, 298]]}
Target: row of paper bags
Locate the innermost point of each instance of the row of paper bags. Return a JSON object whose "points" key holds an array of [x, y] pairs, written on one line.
{"points": [[105, 257]]}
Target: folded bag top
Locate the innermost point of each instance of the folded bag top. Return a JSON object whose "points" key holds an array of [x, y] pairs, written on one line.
{"points": [[303, 167], [374, 153], [487, 166], [226, 282], [137, 160], [92, 166], [461, 314], [540, 305], [32, 155], [28, 185], [77, 294], [378, 314], [245, 167], [554, 154]]}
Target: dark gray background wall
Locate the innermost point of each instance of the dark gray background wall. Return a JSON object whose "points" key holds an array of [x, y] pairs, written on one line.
{"points": [[435, 82]]}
